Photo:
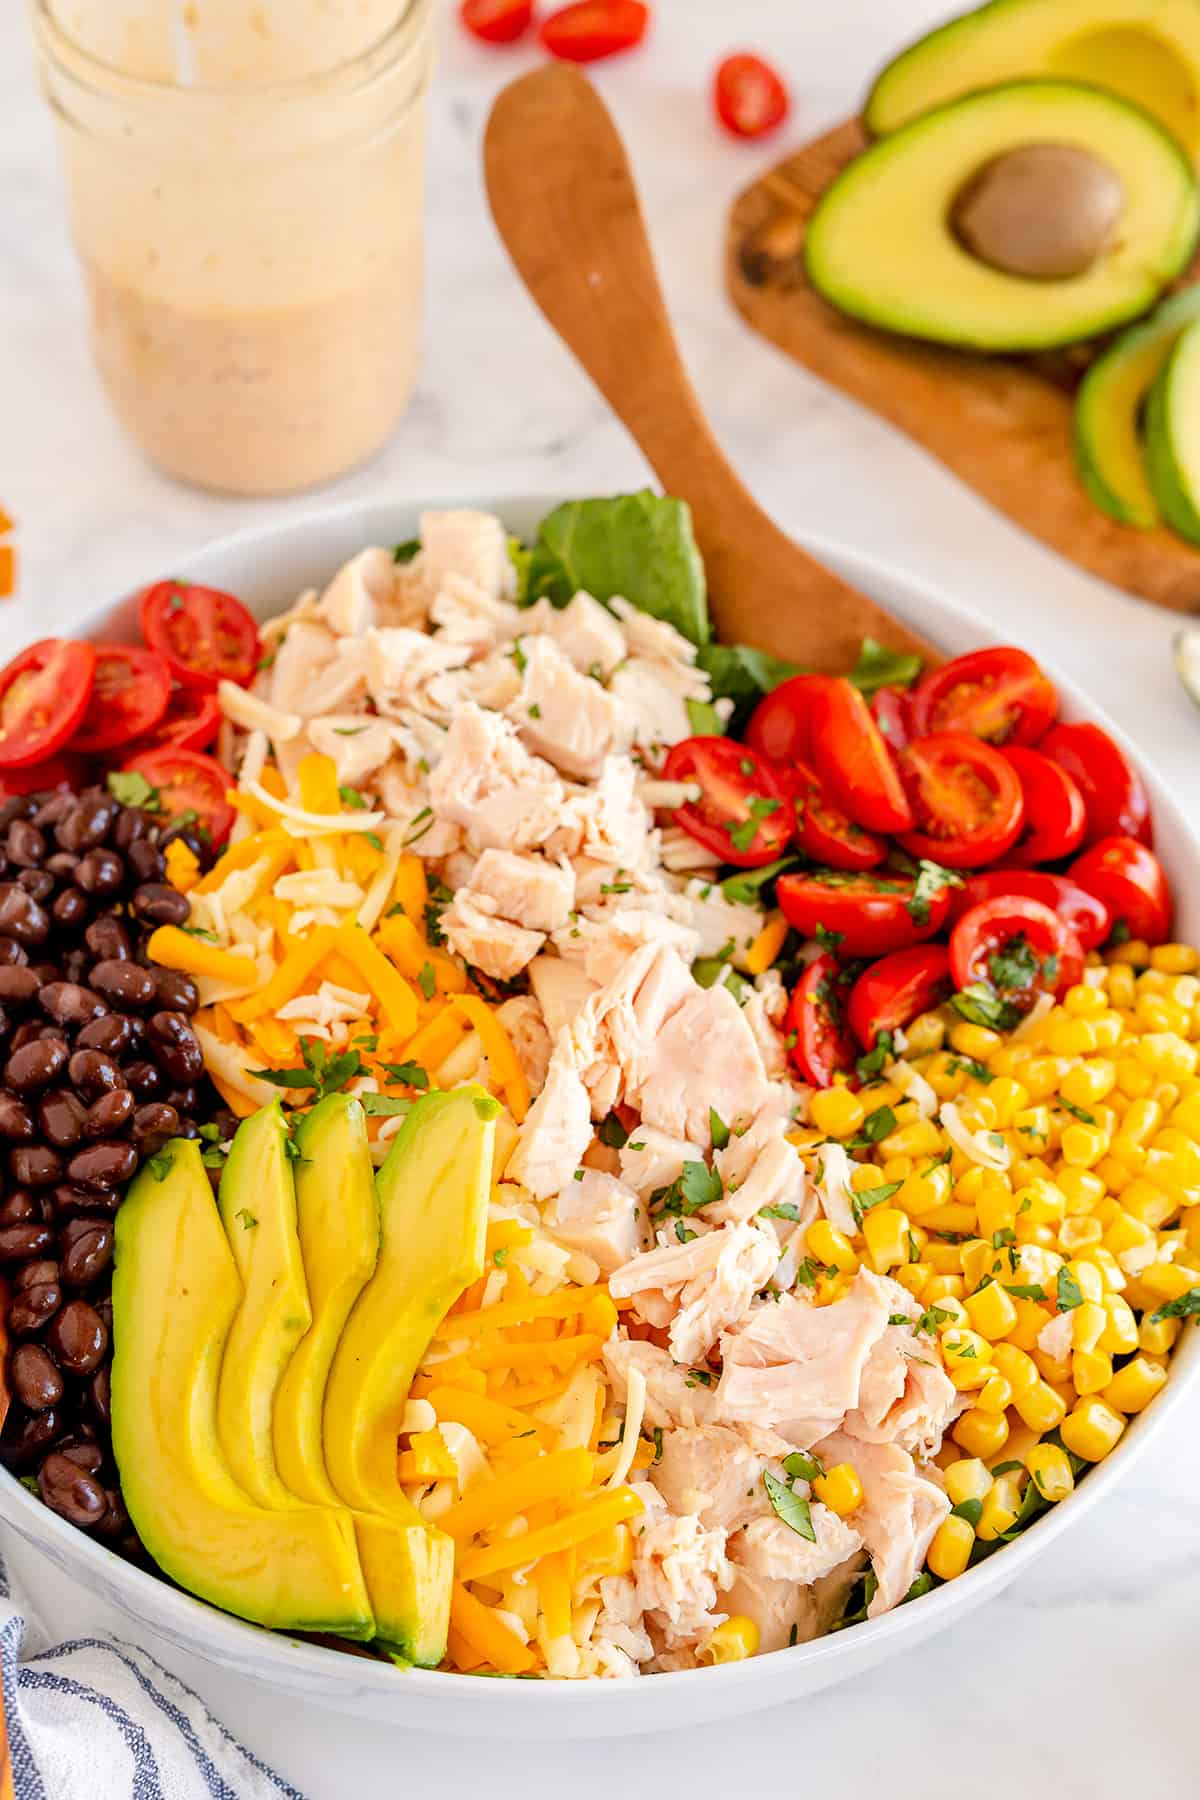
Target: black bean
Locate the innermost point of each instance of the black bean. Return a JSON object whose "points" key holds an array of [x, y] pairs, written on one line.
{"points": [[84, 1452], [26, 847], [75, 966], [157, 904], [110, 1114], [145, 1078], [35, 1165], [21, 1243], [19, 1206], [185, 1100], [104, 1308], [22, 918], [36, 1380], [188, 1128], [63, 862], [153, 1126], [106, 1165], [71, 1491], [101, 872], [33, 1274], [78, 1338], [113, 1035], [37, 883], [88, 822], [100, 1390], [37, 1064], [27, 1435], [147, 861], [71, 908], [20, 806], [174, 1044], [51, 808], [70, 1004], [11, 953], [70, 1202], [93, 1073], [177, 992], [125, 984], [87, 1251], [62, 1117], [18, 985], [16, 1120], [134, 822], [107, 938], [33, 1306], [116, 1523]]}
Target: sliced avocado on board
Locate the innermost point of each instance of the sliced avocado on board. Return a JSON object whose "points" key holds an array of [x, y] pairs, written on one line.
{"points": [[176, 1291], [1109, 409], [1148, 53], [1173, 436], [888, 241]]}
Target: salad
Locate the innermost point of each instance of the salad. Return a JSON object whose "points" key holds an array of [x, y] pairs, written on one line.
{"points": [[541, 1144]]}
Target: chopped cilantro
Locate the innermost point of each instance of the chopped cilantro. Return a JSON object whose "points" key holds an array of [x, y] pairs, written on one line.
{"points": [[876, 1060], [500, 1257], [684, 1233], [829, 940], [1015, 967], [613, 1133], [413, 835], [745, 888], [719, 1129], [320, 1073], [160, 1165], [802, 1465], [350, 796], [786, 1209], [967, 1065], [1078, 1112], [875, 1126], [931, 880], [789, 1507], [385, 1106], [932, 1317], [404, 553], [1120, 934], [1069, 1293], [658, 1445], [877, 667], [427, 980], [1184, 1306], [743, 834], [246, 1219], [696, 1186], [983, 1006], [408, 1074], [132, 789]]}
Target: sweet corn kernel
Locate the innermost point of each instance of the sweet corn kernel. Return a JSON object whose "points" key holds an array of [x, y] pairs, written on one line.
{"points": [[1076, 1234], [1035, 1127], [975, 1041], [920, 1138], [966, 1479], [1121, 988], [1088, 1279], [991, 1311], [924, 1191], [1050, 1469], [1092, 1429], [1135, 1386], [1030, 1319], [981, 1434], [952, 1313], [941, 1290], [1091, 1371], [733, 1641], [1186, 1115], [1149, 1203], [1065, 1036], [886, 1231], [1109, 1029], [836, 1111], [1120, 1334], [1136, 953], [967, 1357], [1134, 1079], [995, 1396], [1170, 1056], [826, 1244], [1157, 1336], [840, 1489], [1041, 1202], [1082, 1189], [1040, 1407], [1084, 1002], [1029, 1231], [1001, 1506], [977, 1259], [1167, 1281], [1016, 1367], [1089, 1082], [950, 1549], [1054, 1369], [945, 1259], [1087, 1325], [1082, 1146], [1040, 1077], [926, 1032], [913, 1277]]}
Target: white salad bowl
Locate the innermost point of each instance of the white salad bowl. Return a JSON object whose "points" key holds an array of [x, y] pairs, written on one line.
{"points": [[268, 567]]}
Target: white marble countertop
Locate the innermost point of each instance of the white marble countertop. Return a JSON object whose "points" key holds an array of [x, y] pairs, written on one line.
{"points": [[1078, 1682]]}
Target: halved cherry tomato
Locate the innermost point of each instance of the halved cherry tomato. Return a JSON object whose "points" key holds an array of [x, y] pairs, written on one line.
{"points": [[496, 21], [1131, 881], [130, 691], [821, 1045], [742, 814], [590, 29], [36, 778], [1018, 947], [1055, 816], [853, 761], [966, 800], [205, 635], [823, 832], [999, 694], [891, 711], [780, 726], [189, 782], [1088, 916], [43, 695], [749, 96], [896, 989], [191, 723], [1113, 792], [872, 912]]}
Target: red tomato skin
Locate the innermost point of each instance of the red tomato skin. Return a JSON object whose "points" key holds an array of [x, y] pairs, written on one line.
{"points": [[1055, 815], [1086, 914], [192, 721], [1114, 794], [1131, 881], [872, 920], [164, 766], [749, 97], [986, 928], [892, 712], [64, 770], [822, 1047], [780, 726], [994, 836], [168, 601], [496, 21], [588, 30], [716, 763], [70, 666], [1034, 698], [118, 716], [853, 761], [893, 991], [823, 832]]}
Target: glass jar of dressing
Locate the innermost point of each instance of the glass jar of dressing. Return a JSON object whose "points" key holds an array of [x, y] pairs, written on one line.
{"points": [[245, 185]]}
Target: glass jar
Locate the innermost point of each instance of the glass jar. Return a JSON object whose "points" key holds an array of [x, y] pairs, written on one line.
{"points": [[249, 223]]}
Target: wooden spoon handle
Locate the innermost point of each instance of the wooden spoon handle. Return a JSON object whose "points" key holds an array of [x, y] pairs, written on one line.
{"points": [[563, 197]]}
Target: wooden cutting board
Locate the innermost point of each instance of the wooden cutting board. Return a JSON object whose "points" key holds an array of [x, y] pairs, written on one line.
{"points": [[1002, 424]]}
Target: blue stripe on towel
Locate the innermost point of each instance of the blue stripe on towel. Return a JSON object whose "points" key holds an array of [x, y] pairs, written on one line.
{"points": [[146, 1784]]}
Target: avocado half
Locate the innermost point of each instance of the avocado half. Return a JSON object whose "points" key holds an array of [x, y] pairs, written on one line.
{"points": [[881, 247], [1173, 436], [1148, 52], [1109, 412]]}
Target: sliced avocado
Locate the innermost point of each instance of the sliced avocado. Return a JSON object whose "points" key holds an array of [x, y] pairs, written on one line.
{"points": [[175, 1293], [1108, 411], [433, 1196], [882, 243], [337, 1217], [1173, 436], [1149, 53]]}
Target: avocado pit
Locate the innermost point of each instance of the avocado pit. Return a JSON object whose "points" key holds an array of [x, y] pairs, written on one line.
{"points": [[1043, 211]]}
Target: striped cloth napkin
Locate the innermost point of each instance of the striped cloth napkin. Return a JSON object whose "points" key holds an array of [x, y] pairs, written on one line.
{"points": [[98, 1718]]}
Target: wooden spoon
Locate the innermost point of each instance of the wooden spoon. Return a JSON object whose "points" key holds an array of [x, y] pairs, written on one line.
{"points": [[563, 198]]}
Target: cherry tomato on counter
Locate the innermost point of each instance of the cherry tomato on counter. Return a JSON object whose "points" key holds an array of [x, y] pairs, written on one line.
{"points": [[871, 913], [823, 832], [749, 96], [591, 29], [496, 21], [891, 711], [821, 1045], [966, 800], [130, 691], [1131, 881], [781, 725], [1113, 792], [188, 782], [44, 692], [999, 694], [1086, 914], [853, 761], [1055, 816], [205, 635], [1018, 947], [742, 815], [896, 989], [36, 778]]}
